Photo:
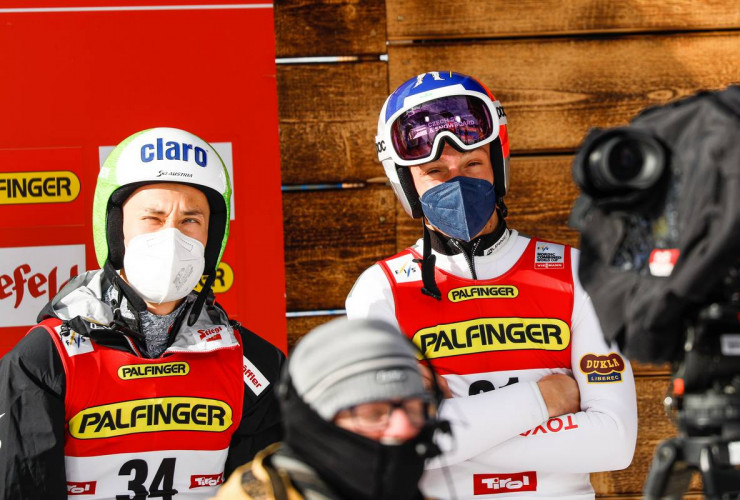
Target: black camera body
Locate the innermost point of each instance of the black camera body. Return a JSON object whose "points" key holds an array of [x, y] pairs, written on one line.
{"points": [[659, 217]]}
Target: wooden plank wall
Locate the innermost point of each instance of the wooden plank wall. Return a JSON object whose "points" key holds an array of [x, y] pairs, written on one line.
{"points": [[558, 68]]}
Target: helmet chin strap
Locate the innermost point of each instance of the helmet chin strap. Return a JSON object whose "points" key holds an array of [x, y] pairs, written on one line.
{"points": [[138, 304], [428, 261], [201, 299]]}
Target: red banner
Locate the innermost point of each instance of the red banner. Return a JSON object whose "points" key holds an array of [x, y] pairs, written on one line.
{"points": [[78, 77]]}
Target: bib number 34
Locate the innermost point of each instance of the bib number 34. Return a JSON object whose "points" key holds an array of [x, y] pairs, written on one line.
{"points": [[161, 485]]}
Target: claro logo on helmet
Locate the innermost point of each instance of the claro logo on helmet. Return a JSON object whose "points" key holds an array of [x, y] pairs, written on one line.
{"points": [[151, 415], [172, 150], [482, 292], [130, 372], [493, 334], [38, 187]]}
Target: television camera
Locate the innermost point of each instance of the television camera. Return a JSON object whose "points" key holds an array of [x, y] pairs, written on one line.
{"points": [[659, 217]]}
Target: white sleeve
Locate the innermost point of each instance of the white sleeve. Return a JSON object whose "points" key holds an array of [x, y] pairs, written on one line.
{"points": [[478, 422], [602, 435], [371, 297]]}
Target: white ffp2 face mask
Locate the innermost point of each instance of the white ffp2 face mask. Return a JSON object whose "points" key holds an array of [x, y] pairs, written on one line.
{"points": [[163, 266]]}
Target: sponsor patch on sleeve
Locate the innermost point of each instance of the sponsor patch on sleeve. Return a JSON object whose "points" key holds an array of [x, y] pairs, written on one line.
{"points": [[253, 378], [404, 269], [600, 368], [549, 255]]}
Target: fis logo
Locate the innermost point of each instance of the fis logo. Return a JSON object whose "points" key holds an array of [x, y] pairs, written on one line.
{"points": [[208, 480], [77, 488], [493, 334], [74, 343], [600, 368], [172, 150], [406, 270], [491, 484]]}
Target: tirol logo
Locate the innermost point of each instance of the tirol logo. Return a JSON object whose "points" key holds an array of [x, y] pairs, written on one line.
{"points": [[78, 488], [601, 368], [151, 415], [207, 480], [131, 372], [493, 334], [31, 276], [483, 292], [38, 187], [491, 484], [224, 279], [172, 150]]}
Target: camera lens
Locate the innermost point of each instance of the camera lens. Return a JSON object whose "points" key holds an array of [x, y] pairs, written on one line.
{"points": [[625, 161]]}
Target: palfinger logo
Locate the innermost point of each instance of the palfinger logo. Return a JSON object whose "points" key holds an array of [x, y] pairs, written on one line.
{"points": [[482, 292], [59, 186], [493, 334], [151, 415]]}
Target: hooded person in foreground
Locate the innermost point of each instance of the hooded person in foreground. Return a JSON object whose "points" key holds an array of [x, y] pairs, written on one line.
{"points": [[358, 420], [133, 385]]}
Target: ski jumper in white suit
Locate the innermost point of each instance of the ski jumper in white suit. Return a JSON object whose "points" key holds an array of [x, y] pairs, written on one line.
{"points": [[493, 338]]}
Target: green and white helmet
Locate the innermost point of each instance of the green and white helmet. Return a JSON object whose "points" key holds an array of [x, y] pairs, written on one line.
{"points": [[153, 156]]}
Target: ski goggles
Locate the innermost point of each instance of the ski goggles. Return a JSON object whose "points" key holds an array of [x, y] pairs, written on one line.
{"points": [[415, 135]]}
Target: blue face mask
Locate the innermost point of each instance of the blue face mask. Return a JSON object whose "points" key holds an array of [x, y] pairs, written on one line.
{"points": [[460, 207]]}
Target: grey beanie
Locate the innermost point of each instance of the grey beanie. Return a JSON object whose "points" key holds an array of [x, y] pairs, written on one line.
{"points": [[349, 362]]}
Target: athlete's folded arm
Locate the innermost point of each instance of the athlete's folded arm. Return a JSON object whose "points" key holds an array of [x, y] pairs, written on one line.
{"points": [[32, 420], [486, 420], [601, 437], [478, 422]]}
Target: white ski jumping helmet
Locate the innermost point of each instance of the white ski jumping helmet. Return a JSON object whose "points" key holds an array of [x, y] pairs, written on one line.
{"points": [[154, 156]]}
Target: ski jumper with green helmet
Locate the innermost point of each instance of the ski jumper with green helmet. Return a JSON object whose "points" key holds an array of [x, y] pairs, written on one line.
{"points": [[125, 425], [161, 155], [85, 407]]}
